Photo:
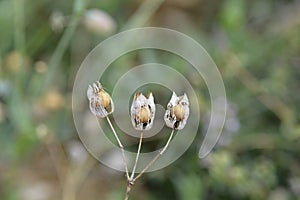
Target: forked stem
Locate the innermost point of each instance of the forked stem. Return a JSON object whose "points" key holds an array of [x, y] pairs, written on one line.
{"points": [[137, 158], [121, 146], [155, 158], [127, 191]]}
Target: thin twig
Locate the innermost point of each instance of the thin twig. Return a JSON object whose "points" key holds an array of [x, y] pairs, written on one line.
{"points": [[120, 145], [56, 152], [276, 105], [155, 158], [75, 176], [143, 14], [137, 157], [127, 191], [168, 142]]}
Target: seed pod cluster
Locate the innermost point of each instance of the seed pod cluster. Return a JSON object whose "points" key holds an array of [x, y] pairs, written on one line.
{"points": [[142, 109]]}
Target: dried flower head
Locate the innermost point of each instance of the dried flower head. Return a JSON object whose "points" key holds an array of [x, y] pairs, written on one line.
{"points": [[100, 102], [177, 111], [142, 111], [99, 22]]}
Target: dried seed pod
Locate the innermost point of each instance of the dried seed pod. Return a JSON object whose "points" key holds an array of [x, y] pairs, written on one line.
{"points": [[142, 111], [99, 22], [100, 101], [177, 111]]}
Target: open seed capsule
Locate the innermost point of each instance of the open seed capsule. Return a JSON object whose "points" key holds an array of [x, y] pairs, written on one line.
{"points": [[142, 111], [177, 112], [100, 101]]}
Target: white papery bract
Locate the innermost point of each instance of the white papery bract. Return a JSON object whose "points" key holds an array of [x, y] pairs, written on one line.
{"points": [[142, 111], [177, 112], [100, 102]]}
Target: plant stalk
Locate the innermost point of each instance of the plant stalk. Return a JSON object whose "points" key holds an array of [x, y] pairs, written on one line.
{"points": [[155, 158], [137, 157], [121, 146]]}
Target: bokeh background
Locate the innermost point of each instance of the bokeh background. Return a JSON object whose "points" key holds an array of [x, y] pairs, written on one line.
{"points": [[255, 44]]}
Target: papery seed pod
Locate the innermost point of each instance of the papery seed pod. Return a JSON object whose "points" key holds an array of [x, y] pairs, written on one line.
{"points": [[99, 22], [100, 102], [142, 111], [177, 112]]}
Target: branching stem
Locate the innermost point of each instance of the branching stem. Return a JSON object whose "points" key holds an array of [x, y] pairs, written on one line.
{"points": [[137, 157], [155, 158]]}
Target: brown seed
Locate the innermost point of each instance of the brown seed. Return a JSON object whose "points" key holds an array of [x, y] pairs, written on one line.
{"points": [[104, 99], [144, 117], [178, 111]]}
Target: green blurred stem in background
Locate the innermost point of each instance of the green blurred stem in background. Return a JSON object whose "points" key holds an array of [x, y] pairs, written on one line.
{"points": [[143, 14], [54, 63]]}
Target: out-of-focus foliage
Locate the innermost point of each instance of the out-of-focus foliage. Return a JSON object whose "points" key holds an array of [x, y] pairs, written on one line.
{"points": [[255, 44]]}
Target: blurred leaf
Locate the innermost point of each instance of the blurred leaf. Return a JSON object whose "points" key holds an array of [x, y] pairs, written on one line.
{"points": [[233, 14], [6, 22], [188, 186]]}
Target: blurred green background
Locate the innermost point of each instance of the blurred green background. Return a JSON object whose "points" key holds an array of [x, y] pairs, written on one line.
{"points": [[255, 44]]}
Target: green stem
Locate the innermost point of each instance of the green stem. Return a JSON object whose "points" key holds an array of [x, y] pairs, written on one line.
{"points": [[64, 42], [143, 14], [19, 33]]}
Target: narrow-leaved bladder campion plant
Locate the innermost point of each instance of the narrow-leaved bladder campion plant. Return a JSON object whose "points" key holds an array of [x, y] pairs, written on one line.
{"points": [[142, 117]]}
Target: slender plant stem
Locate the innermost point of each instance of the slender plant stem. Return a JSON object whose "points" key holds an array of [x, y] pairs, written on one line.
{"points": [[19, 26], [137, 156], [168, 142], [127, 191], [56, 153], [19, 44], [55, 60], [278, 107], [121, 146], [143, 14], [155, 158]]}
